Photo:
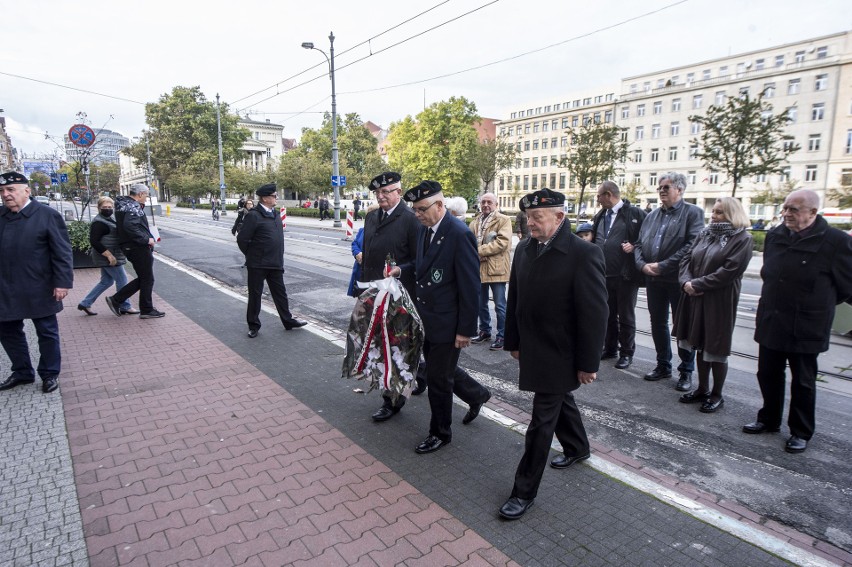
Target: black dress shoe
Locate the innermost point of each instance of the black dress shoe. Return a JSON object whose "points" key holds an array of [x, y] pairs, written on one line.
{"points": [[430, 445], [759, 427], [608, 355], [385, 412], [658, 374], [49, 384], [481, 338], [711, 407], [420, 386], [564, 461], [515, 507], [624, 362], [16, 380], [694, 397], [796, 444], [685, 382], [87, 310], [473, 412], [294, 324], [253, 333]]}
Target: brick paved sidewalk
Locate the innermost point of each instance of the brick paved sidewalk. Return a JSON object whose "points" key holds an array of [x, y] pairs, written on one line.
{"points": [[181, 457]]}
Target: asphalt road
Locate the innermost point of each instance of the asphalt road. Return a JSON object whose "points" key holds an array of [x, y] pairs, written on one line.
{"points": [[810, 492]]}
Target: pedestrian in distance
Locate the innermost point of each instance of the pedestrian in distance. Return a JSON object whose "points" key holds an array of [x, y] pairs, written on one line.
{"points": [[36, 272], [807, 271], [493, 232], [108, 256], [615, 229], [261, 240], [356, 205], [665, 237], [521, 228], [556, 320], [136, 242], [711, 274], [248, 205]]}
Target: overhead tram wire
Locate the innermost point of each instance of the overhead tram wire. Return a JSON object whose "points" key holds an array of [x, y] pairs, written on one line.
{"points": [[71, 88], [368, 40]]}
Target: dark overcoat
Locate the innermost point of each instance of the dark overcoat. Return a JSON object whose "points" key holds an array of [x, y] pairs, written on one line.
{"points": [[803, 281], [261, 239], [35, 258], [707, 321], [556, 312], [396, 236], [447, 281]]}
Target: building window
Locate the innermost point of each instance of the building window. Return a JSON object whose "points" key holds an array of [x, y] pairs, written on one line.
{"points": [[637, 178], [552, 143], [690, 77], [534, 182], [526, 145], [637, 156], [697, 101], [693, 151], [526, 128], [535, 128], [720, 98], [821, 82], [552, 180], [608, 116], [655, 131], [723, 71], [705, 75], [623, 135], [810, 173], [553, 160], [575, 121], [779, 60], [597, 118], [675, 131], [655, 154], [652, 178], [788, 144], [526, 162], [849, 141], [640, 110], [640, 133], [535, 162], [587, 101], [625, 111], [793, 86], [800, 57], [658, 107], [535, 144], [813, 142], [691, 177], [792, 114], [713, 178], [661, 83], [544, 126], [675, 105], [760, 178], [818, 111], [562, 181], [673, 153], [565, 123], [785, 174], [634, 88], [554, 124], [743, 92], [563, 142], [598, 99], [526, 182], [695, 127], [544, 143], [822, 52], [758, 64], [741, 69], [646, 86], [769, 90]]}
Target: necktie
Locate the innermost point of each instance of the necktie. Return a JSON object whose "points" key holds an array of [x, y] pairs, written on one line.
{"points": [[383, 216], [607, 222], [428, 241]]}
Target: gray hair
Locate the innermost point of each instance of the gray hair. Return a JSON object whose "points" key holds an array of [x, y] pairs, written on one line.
{"points": [[457, 206], [611, 187], [139, 188], [678, 180]]}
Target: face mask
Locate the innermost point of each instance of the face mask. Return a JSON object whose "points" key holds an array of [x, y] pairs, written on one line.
{"points": [[106, 212]]}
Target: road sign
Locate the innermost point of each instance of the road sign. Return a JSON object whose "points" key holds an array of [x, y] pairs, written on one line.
{"points": [[338, 181], [81, 136], [63, 177], [54, 179], [222, 186]]}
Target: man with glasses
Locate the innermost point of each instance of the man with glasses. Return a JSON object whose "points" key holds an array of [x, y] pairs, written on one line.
{"points": [[261, 239], [391, 230], [665, 237], [807, 271]]}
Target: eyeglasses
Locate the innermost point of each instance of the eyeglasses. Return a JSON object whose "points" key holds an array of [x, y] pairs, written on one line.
{"points": [[386, 192], [422, 210], [663, 188]]}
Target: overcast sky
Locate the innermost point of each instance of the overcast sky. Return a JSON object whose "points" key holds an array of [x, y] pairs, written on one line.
{"points": [[139, 50]]}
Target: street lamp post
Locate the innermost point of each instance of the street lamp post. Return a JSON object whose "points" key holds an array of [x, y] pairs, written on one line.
{"points": [[335, 164], [221, 161]]}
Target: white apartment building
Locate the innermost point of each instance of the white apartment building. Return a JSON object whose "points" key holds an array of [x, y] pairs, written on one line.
{"points": [[264, 146], [812, 78]]}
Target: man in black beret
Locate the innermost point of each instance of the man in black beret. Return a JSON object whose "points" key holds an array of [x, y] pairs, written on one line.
{"points": [[261, 239], [556, 317], [446, 273], [35, 276]]}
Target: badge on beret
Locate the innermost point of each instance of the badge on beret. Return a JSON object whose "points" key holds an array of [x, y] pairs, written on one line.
{"points": [[11, 177], [424, 190], [385, 179], [542, 199]]}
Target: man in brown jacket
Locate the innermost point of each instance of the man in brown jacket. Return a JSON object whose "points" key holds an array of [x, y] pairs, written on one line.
{"points": [[493, 232]]}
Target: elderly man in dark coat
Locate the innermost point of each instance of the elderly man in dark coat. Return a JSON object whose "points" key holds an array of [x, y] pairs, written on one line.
{"points": [[555, 325], [261, 239], [807, 271], [36, 272]]}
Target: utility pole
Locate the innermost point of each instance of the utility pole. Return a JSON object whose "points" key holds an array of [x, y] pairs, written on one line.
{"points": [[221, 161]]}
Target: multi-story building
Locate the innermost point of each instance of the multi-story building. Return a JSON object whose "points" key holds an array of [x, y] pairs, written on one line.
{"points": [[7, 151], [811, 80], [263, 148], [105, 150]]}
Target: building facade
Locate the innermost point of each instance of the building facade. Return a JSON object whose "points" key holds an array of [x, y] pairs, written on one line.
{"points": [[264, 147], [810, 80], [106, 149], [7, 151]]}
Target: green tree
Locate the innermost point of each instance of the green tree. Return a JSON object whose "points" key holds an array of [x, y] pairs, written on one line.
{"points": [[304, 174], [491, 158], [182, 135], [774, 195], [105, 177], [597, 152], [743, 138], [441, 144], [842, 195]]}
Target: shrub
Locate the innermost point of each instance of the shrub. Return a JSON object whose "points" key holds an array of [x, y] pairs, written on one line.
{"points": [[78, 232]]}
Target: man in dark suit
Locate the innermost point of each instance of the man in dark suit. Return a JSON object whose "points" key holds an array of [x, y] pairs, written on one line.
{"points": [[391, 230], [616, 229], [261, 239], [807, 271], [35, 276], [447, 297], [555, 324]]}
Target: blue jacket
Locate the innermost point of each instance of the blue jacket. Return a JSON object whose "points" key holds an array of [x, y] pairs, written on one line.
{"points": [[357, 246]]}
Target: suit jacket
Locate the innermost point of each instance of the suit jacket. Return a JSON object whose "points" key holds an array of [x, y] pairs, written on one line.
{"points": [[684, 225], [261, 239], [35, 258], [447, 281], [556, 312], [396, 236], [803, 280]]}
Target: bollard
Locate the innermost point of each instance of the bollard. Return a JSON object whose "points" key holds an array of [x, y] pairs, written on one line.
{"points": [[349, 225], [283, 218], [168, 210]]}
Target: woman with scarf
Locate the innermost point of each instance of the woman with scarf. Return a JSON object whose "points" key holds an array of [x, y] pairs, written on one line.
{"points": [[710, 277]]}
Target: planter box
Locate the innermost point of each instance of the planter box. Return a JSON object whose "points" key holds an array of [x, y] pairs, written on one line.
{"points": [[82, 260]]}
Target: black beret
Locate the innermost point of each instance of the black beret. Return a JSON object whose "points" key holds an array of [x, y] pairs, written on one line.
{"points": [[12, 177], [425, 190], [266, 190], [542, 199], [383, 180]]}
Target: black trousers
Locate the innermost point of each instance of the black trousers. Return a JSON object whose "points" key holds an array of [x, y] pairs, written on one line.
{"points": [[14, 342], [770, 375], [552, 413], [621, 323], [142, 259], [461, 388], [442, 379], [275, 281]]}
